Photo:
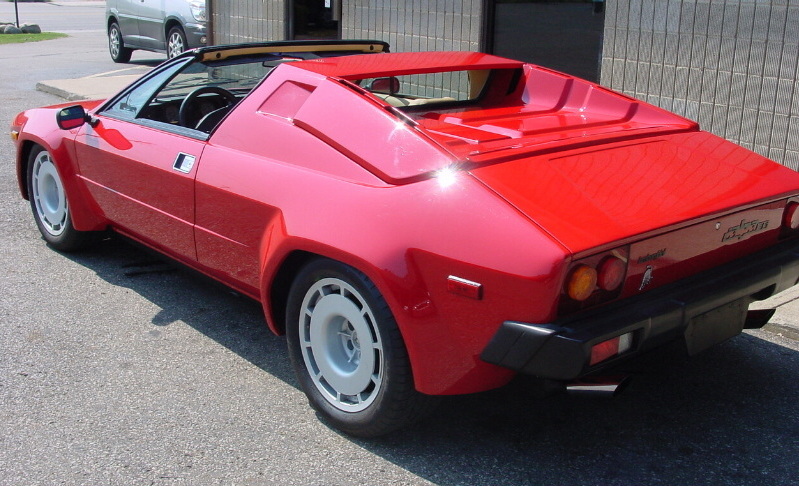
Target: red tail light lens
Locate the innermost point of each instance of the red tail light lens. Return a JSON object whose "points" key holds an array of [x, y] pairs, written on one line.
{"points": [[610, 273]]}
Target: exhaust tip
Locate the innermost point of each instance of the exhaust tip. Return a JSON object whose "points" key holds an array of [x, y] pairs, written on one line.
{"points": [[599, 386]]}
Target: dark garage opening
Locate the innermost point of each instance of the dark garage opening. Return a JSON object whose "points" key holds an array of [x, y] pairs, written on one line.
{"points": [[565, 35], [314, 19]]}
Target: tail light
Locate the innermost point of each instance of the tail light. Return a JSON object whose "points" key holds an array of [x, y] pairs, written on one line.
{"points": [[611, 272], [581, 282], [594, 280], [790, 218]]}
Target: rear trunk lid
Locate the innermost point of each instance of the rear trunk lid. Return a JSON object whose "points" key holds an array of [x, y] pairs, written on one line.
{"points": [[682, 202]]}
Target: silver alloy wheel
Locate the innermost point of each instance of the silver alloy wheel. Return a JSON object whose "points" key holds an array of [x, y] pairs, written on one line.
{"points": [[341, 345], [114, 42], [48, 195], [175, 44]]}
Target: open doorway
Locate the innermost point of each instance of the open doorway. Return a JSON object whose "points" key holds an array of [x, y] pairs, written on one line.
{"points": [[560, 34], [314, 19]]}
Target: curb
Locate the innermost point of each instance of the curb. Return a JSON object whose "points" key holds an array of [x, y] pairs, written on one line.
{"points": [[61, 93], [88, 88]]}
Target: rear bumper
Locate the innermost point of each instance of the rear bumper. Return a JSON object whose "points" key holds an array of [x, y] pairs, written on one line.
{"points": [[561, 350]]}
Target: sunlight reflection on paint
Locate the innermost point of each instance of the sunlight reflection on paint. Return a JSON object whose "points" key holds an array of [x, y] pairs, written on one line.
{"points": [[446, 177]]}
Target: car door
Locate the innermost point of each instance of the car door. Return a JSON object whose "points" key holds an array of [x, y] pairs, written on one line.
{"points": [[128, 16], [151, 23], [141, 171]]}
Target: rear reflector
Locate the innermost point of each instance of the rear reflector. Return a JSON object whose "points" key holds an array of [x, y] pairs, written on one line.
{"points": [[464, 288], [610, 348]]}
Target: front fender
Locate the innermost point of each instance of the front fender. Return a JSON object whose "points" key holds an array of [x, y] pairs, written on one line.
{"points": [[38, 127]]}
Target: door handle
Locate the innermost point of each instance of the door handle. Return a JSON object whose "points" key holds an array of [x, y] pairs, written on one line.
{"points": [[183, 163]]}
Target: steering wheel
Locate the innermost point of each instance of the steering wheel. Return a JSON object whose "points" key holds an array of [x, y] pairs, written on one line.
{"points": [[186, 112]]}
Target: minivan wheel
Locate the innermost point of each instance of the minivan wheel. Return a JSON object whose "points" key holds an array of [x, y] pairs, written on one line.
{"points": [[116, 47], [175, 42]]}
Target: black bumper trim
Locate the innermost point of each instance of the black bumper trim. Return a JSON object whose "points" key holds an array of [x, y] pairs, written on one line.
{"points": [[561, 350]]}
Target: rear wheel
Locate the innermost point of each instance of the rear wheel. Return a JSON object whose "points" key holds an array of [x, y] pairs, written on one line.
{"points": [[119, 53], [175, 42], [348, 352], [49, 204]]}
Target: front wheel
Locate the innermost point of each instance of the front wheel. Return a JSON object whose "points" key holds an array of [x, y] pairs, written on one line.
{"points": [[116, 46], [48, 200], [175, 42], [348, 353]]}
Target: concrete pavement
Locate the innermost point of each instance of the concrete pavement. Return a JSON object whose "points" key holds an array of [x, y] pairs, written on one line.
{"points": [[784, 323], [92, 87]]}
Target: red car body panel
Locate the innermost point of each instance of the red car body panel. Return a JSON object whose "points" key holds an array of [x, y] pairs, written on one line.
{"points": [[41, 129], [359, 67], [132, 179], [507, 192], [557, 111], [654, 172]]}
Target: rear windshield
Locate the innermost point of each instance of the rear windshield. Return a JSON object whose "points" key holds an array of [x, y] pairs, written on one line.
{"points": [[428, 88]]}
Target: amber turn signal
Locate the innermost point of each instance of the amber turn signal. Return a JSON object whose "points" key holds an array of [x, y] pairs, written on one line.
{"points": [[581, 282]]}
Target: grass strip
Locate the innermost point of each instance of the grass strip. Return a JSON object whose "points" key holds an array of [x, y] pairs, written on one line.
{"points": [[20, 38]]}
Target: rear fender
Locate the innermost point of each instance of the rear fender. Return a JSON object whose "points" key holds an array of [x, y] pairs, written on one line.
{"points": [[430, 345]]}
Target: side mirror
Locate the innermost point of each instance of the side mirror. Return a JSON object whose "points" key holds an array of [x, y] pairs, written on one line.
{"points": [[71, 117], [388, 85]]}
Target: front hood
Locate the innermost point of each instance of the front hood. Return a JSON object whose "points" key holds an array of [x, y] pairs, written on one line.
{"points": [[593, 197]]}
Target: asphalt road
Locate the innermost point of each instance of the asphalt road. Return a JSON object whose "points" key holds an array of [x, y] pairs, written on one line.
{"points": [[69, 16], [116, 367]]}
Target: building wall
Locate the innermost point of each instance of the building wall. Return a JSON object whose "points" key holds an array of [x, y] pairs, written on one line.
{"points": [[412, 25], [415, 25], [235, 21], [731, 65]]}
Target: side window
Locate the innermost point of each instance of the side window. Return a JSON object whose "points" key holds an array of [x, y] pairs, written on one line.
{"points": [[191, 96], [131, 104]]}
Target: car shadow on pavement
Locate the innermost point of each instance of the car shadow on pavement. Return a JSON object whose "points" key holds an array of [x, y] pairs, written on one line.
{"points": [[147, 62], [727, 416], [229, 318]]}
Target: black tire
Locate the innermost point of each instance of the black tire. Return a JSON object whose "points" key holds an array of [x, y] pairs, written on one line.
{"points": [[116, 46], [48, 201], [362, 394], [176, 43]]}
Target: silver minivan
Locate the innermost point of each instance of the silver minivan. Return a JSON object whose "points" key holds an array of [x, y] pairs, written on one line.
{"points": [[169, 26]]}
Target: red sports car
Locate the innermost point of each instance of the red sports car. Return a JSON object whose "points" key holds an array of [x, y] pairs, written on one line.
{"points": [[422, 224]]}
